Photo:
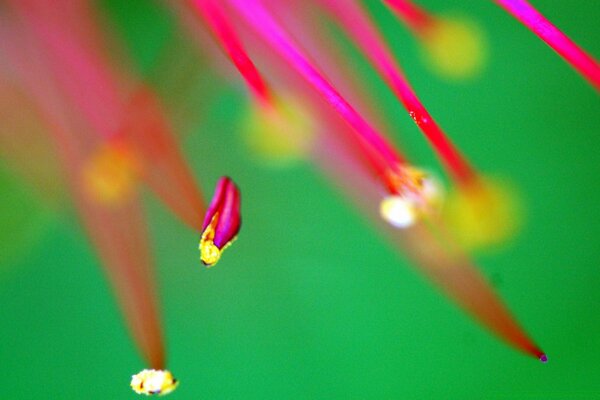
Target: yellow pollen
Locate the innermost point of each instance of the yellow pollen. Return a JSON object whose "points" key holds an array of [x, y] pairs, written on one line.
{"points": [[417, 195], [279, 133], [209, 253], [110, 175], [153, 382], [484, 215], [455, 47]]}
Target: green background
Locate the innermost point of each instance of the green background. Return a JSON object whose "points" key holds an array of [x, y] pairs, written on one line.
{"points": [[310, 302]]}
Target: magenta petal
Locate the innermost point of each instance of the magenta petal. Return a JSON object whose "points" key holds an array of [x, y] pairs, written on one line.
{"points": [[229, 218], [217, 201]]}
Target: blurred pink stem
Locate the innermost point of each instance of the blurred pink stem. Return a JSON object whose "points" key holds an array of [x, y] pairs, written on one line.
{"points": [[412, 15], [77, 67], [585, 64], [262, 22], [430, 250], [165, 169], [354, 21], [88, 83], [211, 12]]}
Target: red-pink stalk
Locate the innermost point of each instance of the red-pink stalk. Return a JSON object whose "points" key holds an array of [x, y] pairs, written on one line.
{"points": [[118, 233], [271, 31], [147, 130], [359, 27], [94, 92], [76, 66], [415, 17], [430, 250], [212, 13], [584, 63]]}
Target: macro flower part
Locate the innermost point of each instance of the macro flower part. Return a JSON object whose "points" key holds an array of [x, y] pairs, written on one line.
{"points": [[454, 46], [111, 173], [484, 214], [153, 382], [115, 135], [585, 64], [353, 19], [349, 134], [414, 194], [221, 223], [280, 132]]}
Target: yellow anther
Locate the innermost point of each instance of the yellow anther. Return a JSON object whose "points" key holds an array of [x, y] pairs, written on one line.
{"points": [[416, 195], [153, 382], [455, 47], [209, 253], [279, 132], [485, 214], [110, 175]]}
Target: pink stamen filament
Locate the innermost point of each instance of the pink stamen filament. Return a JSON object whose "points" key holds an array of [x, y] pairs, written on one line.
{"points": [[432, 251], [165, 171], [169, 176], [77, 67], [585, 64], [354, 21], [261, 21], [120, 238], [415, 17], [119, 235], [211, 12]]}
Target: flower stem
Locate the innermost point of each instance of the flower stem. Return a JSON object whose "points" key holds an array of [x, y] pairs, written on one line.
{"points": [[212, 13], [271, 31], [415, 17], [585, 64], [356, 23]]}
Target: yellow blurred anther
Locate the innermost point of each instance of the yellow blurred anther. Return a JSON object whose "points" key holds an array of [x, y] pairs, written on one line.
{"points": [[485, 214], [111, 174], [415, 194], [280, 131], [153, 382], [455, 47]]}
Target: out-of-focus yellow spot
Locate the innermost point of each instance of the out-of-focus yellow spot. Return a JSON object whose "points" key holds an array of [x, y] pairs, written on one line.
{"points": [[209, 253], [455, 47], [485, 214], [416, 194], [153, 382], [111, 174], [280, 132]]}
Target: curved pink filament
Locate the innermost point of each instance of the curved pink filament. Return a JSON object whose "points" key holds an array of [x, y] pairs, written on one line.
{"points": [[366, 36], [585, 64], [263, 23]]}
